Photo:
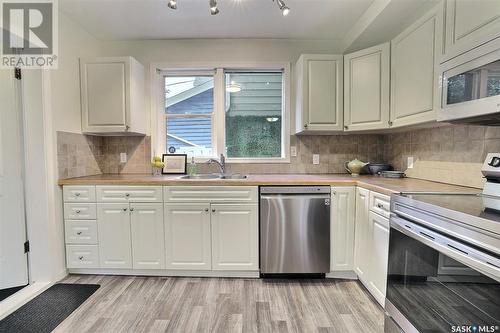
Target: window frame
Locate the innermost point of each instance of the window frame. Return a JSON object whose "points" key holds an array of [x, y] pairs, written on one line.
{"points": [[158, 124]]}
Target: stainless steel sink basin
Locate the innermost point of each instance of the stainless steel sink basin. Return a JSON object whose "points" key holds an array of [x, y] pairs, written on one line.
{"points": [[236, 176], [209, 176]]}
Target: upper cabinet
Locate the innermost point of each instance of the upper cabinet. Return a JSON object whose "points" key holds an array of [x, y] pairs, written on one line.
{"points": [[469, 23], [319, 93], [366, 88], [112, 96], [414, 75]]}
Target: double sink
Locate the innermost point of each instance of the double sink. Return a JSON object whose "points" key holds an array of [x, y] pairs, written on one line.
{"points": [[215, 176]]}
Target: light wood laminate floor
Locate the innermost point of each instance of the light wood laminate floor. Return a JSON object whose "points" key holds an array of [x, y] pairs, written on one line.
{"points": [[161, 304]]}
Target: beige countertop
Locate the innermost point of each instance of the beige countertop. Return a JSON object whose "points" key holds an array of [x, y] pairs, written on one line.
{"points": [[374, 183]]}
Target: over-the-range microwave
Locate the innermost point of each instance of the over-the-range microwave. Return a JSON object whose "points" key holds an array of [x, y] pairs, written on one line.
{"points": [[471, 87]]}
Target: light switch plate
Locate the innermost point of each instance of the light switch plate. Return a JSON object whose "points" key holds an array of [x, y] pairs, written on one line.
{"points": [[123, 157], [315, 158], [293, 151], [410, 162]]}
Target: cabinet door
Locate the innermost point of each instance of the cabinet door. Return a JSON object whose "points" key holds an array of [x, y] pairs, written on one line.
{"points": [[342, 229], [104, 95], [469, 23], [320, 93], [235, 241], [414, 74], [113, 230], [378, 251], [148, 242], [187, 236], [361, 236], [366, 89]]}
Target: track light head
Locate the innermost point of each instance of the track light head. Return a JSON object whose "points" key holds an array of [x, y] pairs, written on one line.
{"points": [[213, 7], [172, 4], [283, 7]]}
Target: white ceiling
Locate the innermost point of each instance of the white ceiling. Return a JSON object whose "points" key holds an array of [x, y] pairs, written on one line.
{"points": [[152, 19]]}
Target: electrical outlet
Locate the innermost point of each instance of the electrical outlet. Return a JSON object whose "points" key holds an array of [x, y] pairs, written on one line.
{"points": [[315, 158], [410, 162], [293, 151], [123, 157]]}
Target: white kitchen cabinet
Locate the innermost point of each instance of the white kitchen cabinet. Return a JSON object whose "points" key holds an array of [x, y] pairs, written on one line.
{"points": [[361, 258], [148, 244], [366, 88], [235, 239], [113, 229], [378, 250], [112, 96], [342, 229], [319, 93], [188, 237], [414, 74], [468, 24]]}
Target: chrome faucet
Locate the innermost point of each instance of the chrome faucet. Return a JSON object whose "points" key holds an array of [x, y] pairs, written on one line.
{"points": [[221, 163]]}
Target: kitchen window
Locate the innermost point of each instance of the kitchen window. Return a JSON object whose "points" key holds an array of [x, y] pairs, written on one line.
{"points": [[241, 113]]}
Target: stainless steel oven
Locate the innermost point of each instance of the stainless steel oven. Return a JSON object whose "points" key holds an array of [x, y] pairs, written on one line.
{"points": [[471, 87], [444, 264]]}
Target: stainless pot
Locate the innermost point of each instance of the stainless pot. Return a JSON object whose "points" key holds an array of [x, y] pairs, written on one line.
{"points": [[375, 168]]}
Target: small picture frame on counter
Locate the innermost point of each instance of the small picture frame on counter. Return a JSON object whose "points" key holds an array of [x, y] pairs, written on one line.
{"points": [[175, 164]]}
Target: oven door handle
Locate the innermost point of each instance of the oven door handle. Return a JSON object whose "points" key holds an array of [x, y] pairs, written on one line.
{"points": [[467, 255]]}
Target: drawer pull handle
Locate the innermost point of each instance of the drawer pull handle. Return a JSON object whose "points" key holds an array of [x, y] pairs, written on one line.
{"points": [[79, 233], [77, 194], [80, 257], [78, 211]]}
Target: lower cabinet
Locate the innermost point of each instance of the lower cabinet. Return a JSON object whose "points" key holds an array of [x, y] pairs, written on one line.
{"points": [[371, 247], [342, 229], [235, 237], [187, 236], [148, 242], [113, 229]]}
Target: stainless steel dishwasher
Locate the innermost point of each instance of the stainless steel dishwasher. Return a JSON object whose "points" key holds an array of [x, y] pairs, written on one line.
{"points": [[295, 229]]}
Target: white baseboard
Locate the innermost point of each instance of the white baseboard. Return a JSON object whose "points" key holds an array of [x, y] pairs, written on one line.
{"points": [[350, 275], [163, 272]]}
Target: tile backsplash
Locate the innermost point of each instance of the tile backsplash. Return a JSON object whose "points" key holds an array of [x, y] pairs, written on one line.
{"points": [[451, 154]]}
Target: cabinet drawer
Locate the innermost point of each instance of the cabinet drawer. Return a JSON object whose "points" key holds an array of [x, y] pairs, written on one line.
{"points": [[79, 211], [79, 193], [214, 194], [380, 204], [81, 232], [82, 256], [129, 194]]}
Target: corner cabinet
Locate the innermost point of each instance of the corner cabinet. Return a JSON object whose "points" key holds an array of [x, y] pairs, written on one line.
{"points": [[112, 96], [469, 24], [319, 94], [414, 75], [366, 89]]}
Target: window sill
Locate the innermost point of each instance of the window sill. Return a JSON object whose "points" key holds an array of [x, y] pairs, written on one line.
{"points": [[283, 160]]}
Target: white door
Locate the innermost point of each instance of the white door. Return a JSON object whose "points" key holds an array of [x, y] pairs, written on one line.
{"points": [[379, 252], [187, 236], [366, 88], [113, 229], [148, 242], [361, 254], [235, 237], [342, 229], [13, 260]]}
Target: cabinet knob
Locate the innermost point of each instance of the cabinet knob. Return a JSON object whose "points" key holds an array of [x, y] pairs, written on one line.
{"points": [[213, 210], [346, 127], [79, 233], [206, 210], [77, 194], [78, 211], [390, 123], [379, 205], [131, 209], [124, 209], [127, 195], [80, 258], [305, 125]]}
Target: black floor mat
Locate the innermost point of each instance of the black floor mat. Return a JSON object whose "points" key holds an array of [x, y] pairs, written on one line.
{"points": [[4, 293], [47, 310]]}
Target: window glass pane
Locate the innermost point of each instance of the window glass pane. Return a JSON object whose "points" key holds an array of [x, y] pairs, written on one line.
{"points": [[189, 110], [254, 114]]}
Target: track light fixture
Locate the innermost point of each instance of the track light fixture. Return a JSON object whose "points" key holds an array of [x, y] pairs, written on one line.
{"points": [[172, 4], [214, 10], [213, 7]]}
